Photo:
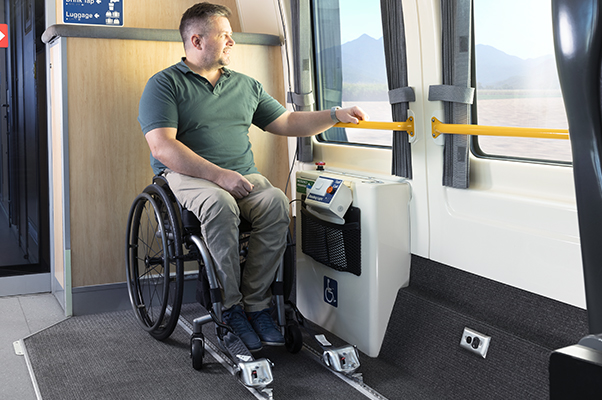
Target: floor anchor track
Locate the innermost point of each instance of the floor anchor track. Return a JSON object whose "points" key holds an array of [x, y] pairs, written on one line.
{"points": [[354, 380], [264, 394]]}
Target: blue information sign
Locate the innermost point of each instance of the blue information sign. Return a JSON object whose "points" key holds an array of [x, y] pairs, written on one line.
{"points": [[93, 12]]}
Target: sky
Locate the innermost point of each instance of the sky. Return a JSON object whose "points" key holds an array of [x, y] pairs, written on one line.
{"points": [[520, 28], [359, 17]]}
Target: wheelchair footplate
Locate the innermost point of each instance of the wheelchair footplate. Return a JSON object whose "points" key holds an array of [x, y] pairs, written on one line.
{"points": [[252, 373]]}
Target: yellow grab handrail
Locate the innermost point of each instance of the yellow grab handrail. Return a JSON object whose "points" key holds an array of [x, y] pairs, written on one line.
{"points": [[458, 129], [439, 127], [407, 126]]}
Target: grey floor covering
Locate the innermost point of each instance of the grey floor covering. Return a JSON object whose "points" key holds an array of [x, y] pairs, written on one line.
{"points": [[108, 356]]}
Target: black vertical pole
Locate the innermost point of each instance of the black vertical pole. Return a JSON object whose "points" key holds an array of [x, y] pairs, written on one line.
{"points": [[578, 42]]}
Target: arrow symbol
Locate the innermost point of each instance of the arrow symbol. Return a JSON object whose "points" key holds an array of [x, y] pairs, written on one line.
{"points": [[3, 36], [96, 15]]}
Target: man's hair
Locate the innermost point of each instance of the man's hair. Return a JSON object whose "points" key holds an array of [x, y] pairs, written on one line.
{"points": [[200, 14]]}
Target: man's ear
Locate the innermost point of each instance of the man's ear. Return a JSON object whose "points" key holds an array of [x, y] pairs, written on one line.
{"points": [[196, 41]]}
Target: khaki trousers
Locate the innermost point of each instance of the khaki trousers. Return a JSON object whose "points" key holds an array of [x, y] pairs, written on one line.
{"points": [[266, 207]]}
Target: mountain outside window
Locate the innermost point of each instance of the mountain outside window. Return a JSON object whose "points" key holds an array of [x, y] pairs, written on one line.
{"points": [[350, 66], [516, 78]]}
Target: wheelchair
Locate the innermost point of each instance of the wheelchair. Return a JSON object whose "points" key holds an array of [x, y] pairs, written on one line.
{"points": [[159, 229]]}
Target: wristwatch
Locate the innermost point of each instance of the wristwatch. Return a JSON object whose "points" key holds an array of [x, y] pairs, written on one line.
{"points": [[333, 114]]}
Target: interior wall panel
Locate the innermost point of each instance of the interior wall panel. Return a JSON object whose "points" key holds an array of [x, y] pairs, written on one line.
{"points": [[108, 156]]}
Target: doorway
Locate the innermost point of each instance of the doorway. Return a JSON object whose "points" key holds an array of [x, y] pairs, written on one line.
{"points": [[24, 214]]}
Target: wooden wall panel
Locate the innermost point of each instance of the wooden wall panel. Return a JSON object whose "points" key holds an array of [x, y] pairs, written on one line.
{"points": [[159, 14], [108, 156]]}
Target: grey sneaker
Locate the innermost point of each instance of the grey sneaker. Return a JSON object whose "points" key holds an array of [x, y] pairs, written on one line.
{"points": [[236, 318], [265, 327]]}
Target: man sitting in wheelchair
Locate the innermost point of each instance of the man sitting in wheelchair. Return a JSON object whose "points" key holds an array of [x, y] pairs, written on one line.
{"points": [[196, 116]]}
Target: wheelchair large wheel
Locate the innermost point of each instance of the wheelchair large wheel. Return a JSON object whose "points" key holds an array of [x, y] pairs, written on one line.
{"points": [[154, 265]]}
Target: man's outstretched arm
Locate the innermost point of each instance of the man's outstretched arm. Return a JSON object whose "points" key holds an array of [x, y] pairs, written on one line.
{"points": [[309, 123]]}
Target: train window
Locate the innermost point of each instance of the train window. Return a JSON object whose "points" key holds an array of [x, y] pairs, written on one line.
{"points": [[517, 82], [350, 66]]}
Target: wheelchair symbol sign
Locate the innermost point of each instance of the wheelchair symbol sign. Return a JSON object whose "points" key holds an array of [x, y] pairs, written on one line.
{"points": [[331, 293]]}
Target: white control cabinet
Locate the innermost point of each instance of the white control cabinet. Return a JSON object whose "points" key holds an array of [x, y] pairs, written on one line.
{"points": [[348, 275]]}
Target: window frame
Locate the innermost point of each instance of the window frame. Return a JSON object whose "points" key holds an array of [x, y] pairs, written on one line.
{"points": [[475, 147], [318, 89]]}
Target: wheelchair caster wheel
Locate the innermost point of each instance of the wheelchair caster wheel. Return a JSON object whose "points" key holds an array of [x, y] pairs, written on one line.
{"points": [[197, 352], [293, 338]]}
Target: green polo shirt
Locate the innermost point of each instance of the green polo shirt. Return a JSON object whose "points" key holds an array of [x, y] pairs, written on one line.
{"points": [[212, 121]]}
